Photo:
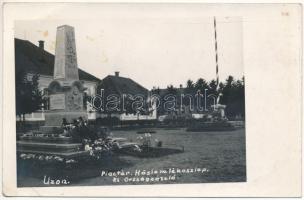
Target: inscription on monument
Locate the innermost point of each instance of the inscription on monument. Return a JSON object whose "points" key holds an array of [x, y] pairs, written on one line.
{"points": [[57, 101], [59, 70], [65, 54]]}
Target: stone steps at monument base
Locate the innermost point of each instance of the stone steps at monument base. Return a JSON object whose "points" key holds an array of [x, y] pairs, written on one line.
{"points": [[48, 147], [43, 139], [49, 130]]}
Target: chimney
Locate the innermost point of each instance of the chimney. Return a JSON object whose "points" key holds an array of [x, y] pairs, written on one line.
{"points": [[117, 74], [41, 44]]}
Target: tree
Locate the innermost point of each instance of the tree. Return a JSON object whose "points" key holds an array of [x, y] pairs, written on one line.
{"points": [[190, 84], [212, 87], [201, 84], [37, 97], [171, 90], [233, 97], [229, 81], [28, 96]]}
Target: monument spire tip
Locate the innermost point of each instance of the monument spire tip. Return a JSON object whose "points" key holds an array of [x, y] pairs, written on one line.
{"points": [[65, 25]]}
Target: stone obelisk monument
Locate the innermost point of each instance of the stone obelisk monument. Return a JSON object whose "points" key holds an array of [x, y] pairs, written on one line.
{"points": [[65, 91]]}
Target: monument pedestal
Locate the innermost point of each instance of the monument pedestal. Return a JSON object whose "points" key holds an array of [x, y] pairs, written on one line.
{"points": [[66, 101]]}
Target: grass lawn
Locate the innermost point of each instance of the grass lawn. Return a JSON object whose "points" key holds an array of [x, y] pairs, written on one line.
{"points": [[222, 153]]}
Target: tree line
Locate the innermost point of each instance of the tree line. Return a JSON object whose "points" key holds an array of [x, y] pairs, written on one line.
{"points": [[232, 90]]}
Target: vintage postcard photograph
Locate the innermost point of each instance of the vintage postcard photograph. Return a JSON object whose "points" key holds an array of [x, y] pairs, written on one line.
{"points": [[152, 100], [130, 101]]}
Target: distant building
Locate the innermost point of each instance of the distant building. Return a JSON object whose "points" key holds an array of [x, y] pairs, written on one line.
{"points": [[120, 86], [35, 59], [115, 84]]}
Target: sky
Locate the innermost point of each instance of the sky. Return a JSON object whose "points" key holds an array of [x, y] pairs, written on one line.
{"points": [[153, 50]]}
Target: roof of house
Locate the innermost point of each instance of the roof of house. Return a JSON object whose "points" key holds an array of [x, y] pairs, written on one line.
{"points": [[121, 85], [34, 59]]}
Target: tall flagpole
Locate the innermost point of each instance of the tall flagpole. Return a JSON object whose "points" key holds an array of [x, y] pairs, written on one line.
{"points": [[218, 106], [216, 56]]}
